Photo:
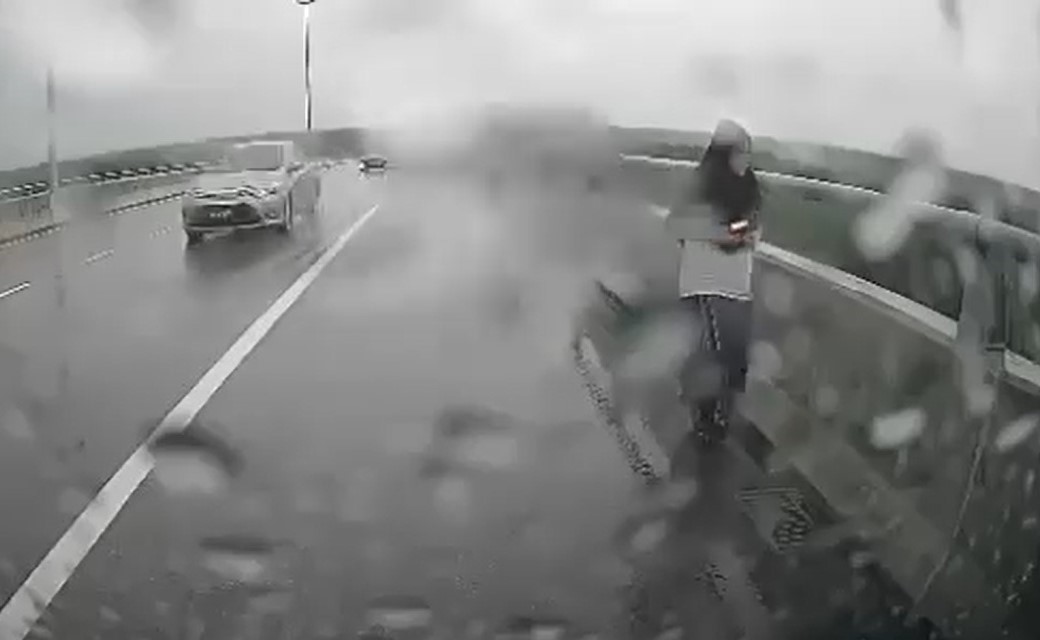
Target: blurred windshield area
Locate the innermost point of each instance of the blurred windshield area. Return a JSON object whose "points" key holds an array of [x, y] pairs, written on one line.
{"points": [[255, 157], [472, 368]]}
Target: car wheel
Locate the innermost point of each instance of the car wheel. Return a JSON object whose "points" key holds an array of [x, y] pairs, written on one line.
{"points": [[287, 217], [194, 237]]}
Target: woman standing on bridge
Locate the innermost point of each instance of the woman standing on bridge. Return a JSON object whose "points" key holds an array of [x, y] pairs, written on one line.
{"points": [[715, 222]]}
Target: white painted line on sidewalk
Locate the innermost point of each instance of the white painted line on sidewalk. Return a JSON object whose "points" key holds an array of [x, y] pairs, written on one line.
{"points": [[27, 605], [13, 290], [101, 255]]}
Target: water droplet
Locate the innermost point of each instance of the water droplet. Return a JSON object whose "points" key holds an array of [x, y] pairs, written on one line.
{"points": [[16, 425], [883, 229], [678, 494], [649, 536], [269, 599], [798, 345], [1028, 282], [109, 615], [488, 451], [530, 628], [240, 558], [826, 400], [453, 497], [642, 534], [980, 398], [674, 633], [1017, 432], [777, 294], [951, 13], [407, 438], [194, 461], [399, 613], [765, 360], [659, 346], [359, 500], [898, 429]]}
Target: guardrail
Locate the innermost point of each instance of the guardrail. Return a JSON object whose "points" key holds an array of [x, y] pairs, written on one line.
{"points": [[954, 514], [103, 178], [815, 219]]}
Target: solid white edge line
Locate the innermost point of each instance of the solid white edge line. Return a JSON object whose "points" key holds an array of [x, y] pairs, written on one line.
{"points": [[13, 290], [24, 609]]}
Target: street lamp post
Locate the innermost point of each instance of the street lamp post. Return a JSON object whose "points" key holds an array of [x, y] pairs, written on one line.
{"points": [[306, 4], [53, 206], [52, 145]]}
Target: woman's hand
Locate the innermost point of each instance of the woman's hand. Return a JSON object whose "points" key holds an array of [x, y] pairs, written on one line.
{"points": [[740, 235]]}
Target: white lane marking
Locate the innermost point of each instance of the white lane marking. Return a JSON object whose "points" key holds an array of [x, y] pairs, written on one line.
{"points": [[13, 290], [27, 605], [101, 255]]}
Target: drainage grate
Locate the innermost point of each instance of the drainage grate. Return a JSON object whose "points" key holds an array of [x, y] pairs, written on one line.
{"points": [[780, 514]]}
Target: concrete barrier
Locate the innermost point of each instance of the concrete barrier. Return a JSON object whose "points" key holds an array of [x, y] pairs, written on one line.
{"points": [[31, 216], [22, 217]]}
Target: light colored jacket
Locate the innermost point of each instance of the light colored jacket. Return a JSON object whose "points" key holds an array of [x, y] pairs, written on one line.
{"points": [[704, 268]]}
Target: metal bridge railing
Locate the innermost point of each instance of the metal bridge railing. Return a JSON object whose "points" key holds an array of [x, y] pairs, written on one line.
{"points": [[946, 510]]}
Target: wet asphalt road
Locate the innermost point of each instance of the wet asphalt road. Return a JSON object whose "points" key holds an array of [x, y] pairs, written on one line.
{"points": [[330, 413], [451, 300]]}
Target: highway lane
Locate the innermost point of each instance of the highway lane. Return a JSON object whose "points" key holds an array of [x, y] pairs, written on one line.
{"points": [[138, 327], [402, 326]]}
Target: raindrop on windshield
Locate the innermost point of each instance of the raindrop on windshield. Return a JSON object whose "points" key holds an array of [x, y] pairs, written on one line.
{"points": [[642, 534], [474, 439], [899, 429], [16, 425], [399, 613], [194, 461], [951, 13], [826, 400], [765, 360], [453, 497], [658, 347], [1017, 432], [777, 294], [882, 230], [110, 615], [239, 558], [532, 628], [270, 599], [1028, 282]]}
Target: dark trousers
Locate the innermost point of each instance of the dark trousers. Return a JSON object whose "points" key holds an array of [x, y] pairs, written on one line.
{"points": [[716, 372]]}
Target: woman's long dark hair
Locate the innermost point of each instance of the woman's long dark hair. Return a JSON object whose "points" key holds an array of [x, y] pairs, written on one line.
{"points": [[734, 197]]}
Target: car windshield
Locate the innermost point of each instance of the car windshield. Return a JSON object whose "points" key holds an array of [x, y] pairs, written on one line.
{"points": [[497, 319], [256, 158]]}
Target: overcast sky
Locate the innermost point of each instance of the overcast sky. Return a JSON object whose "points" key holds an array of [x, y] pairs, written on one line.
{"points": [[856, 73]]}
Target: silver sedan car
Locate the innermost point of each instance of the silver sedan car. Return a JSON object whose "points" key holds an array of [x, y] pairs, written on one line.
{"points": [[261, 185]]}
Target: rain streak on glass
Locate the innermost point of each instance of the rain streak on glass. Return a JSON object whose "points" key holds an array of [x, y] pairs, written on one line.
{"points": [[899, 429], [884, 228]]}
